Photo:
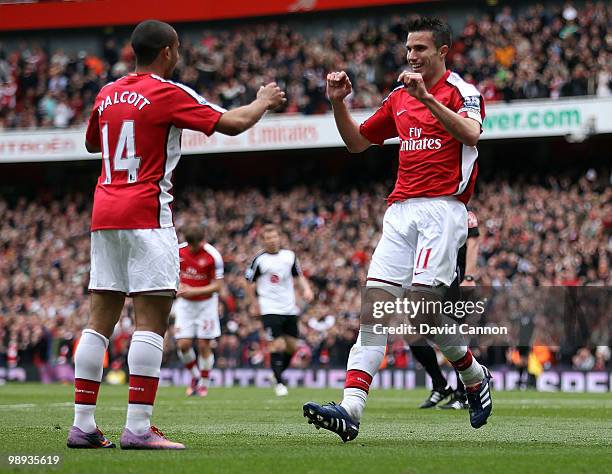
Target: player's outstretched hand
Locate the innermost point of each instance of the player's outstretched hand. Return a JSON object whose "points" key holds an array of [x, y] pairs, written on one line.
{"points": [[414, 84], [338, 86], [272, 94]]}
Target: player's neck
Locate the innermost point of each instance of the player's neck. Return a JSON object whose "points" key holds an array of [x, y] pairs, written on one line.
{"points": [[151, 69], [433, 80]]}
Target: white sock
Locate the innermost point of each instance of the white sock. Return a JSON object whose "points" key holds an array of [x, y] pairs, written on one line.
{"points": [[144, 362], [354, 402], [473, 374], [365, 358], [189, 360], [88, 362], [84, 418], [206, 365], [470, 371]]}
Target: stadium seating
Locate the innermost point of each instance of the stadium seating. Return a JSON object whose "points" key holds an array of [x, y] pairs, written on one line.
{"points": [[531, 235], [502, 55]]}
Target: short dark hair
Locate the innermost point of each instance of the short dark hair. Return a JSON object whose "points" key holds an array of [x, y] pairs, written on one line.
{"points": [[149, 38], [440, 30], [194, 234], [269, 227]]}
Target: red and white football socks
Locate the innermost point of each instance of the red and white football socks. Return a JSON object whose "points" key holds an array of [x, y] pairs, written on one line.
{"points": [[461, 358], [363, 363], [206, 365], [144, 362], [88, 362], [188, 358]]}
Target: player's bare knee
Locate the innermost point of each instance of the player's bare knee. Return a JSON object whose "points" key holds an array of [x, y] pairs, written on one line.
{"points": [[204, 347], [278, 345], [105, 312], [152, 313], [184, 344], [429, 301], [373, 299], [290, 344]]}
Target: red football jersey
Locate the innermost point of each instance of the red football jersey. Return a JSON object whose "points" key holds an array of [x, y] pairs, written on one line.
{"points": [[431, 161], [200, 268], [137, 122]]}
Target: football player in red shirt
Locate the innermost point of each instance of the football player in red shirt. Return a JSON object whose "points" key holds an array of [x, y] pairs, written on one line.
{"points": [[197, 307], [438, 118], [136, 123]]}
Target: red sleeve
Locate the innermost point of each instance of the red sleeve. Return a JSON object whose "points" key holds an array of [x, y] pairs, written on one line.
{"points": [[194, 112], [92, 136], [380, 126]]}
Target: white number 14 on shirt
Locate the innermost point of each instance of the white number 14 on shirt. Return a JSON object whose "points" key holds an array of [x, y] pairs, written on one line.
{"points": [[125, 145]]}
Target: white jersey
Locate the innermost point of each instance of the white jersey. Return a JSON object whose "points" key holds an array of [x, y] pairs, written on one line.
{"points": [[273, 274]]}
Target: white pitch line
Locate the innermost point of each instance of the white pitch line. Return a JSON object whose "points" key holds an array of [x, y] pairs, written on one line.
{"points": [[17, 406]]}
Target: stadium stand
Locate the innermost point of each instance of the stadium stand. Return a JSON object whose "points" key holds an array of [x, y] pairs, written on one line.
{"points": [[553, 51], [554, 234]]}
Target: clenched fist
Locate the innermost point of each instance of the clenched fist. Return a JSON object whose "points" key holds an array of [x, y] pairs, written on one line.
{"points": [[338, 86], [414, 84], [272, 94]]}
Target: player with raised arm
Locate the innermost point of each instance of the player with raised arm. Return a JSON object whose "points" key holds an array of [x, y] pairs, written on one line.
{"points": [[272, 297], [137, 123], [197, 307], [438, 118]]}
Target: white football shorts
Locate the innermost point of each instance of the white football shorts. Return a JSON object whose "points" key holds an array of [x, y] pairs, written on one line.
{"points": [[419, 244], [134, 260], [199, 319]]}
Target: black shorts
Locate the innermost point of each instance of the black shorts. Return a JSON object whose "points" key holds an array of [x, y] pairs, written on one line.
{"points": [[453, 292], [523, 350], [277, 325]]}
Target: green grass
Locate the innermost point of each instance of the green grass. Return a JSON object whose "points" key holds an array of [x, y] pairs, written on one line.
{"points": [[248, 430]]}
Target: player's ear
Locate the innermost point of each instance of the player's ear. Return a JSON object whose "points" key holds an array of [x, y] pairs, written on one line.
{"points": [[443, 50]]}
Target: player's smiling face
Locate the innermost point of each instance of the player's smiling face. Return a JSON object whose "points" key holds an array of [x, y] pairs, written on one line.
{"points": [[422, 54]]}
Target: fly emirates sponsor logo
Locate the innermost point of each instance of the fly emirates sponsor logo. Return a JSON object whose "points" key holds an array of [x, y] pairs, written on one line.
{"points": [[417, 141]]}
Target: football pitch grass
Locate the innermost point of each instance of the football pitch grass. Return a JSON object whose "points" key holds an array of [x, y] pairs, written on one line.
{"points": [[247, 430]]}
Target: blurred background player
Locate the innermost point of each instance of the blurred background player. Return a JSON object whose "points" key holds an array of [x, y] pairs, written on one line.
{"points": [[136, 123], [272, 296], [438, 118], [520, 355], [197, 307]]}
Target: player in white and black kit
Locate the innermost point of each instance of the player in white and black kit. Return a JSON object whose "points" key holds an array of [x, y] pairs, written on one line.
{"points": [[272, 272]]}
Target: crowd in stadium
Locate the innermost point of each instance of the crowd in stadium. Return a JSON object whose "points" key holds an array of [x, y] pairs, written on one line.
{"points": [[531, 235], [501, 54]]}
